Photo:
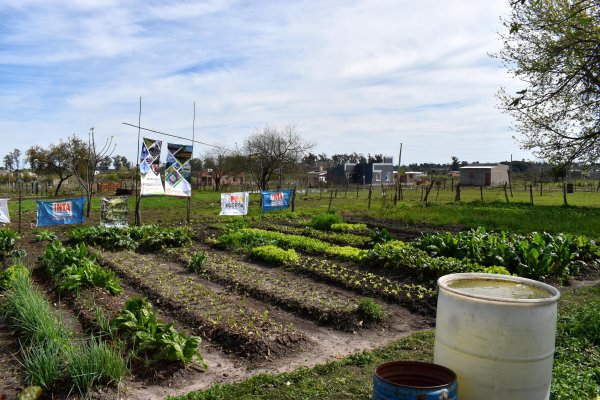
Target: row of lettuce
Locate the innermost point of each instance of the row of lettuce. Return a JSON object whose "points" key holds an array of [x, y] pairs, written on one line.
{"points": [[536, 255]]}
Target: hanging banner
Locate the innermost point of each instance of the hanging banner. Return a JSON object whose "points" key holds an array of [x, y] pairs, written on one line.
{"points": [[4, 217], [178, 170], [114, 212], [276, 199], [149, 167], [234, 203], [60, 212]]}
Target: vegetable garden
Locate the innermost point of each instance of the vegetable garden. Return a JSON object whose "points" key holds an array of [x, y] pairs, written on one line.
{"points": [[107, 311]]}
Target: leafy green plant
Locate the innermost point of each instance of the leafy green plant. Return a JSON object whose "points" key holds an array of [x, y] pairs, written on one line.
{"points": [[45, 235], [8, 239], [323, 222], [9, 275], [75, 267], [345, 227], [370, 310], [274, 255], [152, 338], [346, 253], [147, 237], [380, 236], [198, 261]]}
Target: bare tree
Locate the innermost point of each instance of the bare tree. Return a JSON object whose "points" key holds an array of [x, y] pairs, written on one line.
{"points": [[60, 159], [273, 149], [87, 176]]}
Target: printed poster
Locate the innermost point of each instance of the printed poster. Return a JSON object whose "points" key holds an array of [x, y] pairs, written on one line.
{"points": [[60, 212], [4, 217], [178, 170], [114, 212], [149, 167], [276, 199], [234, 203]]}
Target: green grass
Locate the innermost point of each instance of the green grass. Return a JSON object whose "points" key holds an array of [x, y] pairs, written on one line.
{"points": [[548, 214], [576, 372]]}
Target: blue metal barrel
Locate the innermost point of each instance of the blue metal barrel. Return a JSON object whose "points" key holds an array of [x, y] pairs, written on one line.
{"points": [[414, 380]]}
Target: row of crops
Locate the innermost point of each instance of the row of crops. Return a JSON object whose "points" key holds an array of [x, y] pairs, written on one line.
{"points": [[291, 266], [54, 356]]}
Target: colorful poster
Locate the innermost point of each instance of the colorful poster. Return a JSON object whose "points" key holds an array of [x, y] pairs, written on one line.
{"points": [[4, 217], [60, 212], [114, 212], [178, 170], [234, 203], [276, 199], [149, 167]]}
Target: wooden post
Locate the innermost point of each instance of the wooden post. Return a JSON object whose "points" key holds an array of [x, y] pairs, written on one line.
{"points": [[565, 193], [452, 184], [330, 200], [188, 206], [370, 190], [294, 199], [346, 192], [505, 193], [531, 194], [481, 192], [20, 197], [400, 194], [428, 190], [457, 197], [357, 186], [321, 192], [438, 190], [541, 185], [336, 193]]}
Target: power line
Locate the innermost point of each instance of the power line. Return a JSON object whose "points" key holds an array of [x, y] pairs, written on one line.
{"points": [[175, 136]]}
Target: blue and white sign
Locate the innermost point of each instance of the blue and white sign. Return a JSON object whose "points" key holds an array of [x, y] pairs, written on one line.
{"points": [[60, 212], [276, 199]]}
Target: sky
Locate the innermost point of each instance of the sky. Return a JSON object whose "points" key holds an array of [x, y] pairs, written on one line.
{"points": [[350, 75]]}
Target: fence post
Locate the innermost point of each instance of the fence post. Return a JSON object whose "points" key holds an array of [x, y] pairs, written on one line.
{"points": [[330, 200], [505, 194], [457, 197], [370, 190], [336, 193], [541, 185], [531, 193], [346, 193], [565, 193], [294, 198], [428, 190], [481, 192], [452, 184]]}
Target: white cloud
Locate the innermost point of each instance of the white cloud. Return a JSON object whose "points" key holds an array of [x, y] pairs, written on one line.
{"points": [[351, 75]]}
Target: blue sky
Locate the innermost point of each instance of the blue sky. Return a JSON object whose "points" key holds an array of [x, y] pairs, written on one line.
{"points": [[351, 76]]}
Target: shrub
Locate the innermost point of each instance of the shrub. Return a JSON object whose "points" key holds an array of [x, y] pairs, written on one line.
{"points": [[274, 255], [323, 222], [370, 310], [380, 236]]}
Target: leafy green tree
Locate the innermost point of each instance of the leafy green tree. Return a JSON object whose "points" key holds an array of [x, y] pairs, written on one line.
{"points": [[553, 48]]}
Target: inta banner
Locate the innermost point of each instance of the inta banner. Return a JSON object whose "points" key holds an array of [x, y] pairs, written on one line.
{"points": [[234, 203], [149, 167], [114, 212], [4, 217], [276, 199], [60, 212], [178, 170]]}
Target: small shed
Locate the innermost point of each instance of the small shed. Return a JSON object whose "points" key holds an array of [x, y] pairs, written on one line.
{"points": [[412, 177], [484, 175]]}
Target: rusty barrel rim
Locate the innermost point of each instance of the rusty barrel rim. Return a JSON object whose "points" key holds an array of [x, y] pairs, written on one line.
{"points": [[415, 375]]}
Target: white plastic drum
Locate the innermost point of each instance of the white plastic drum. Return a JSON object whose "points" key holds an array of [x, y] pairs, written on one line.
{"points": [[497, 333]]}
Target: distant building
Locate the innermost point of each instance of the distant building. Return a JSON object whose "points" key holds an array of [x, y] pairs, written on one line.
{"points": [[412, 177], [484, 175], [363, 173], [316, 178]]}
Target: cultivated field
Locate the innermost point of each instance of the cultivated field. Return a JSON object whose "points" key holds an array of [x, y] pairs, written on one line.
{"points": [[305, 304]]}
